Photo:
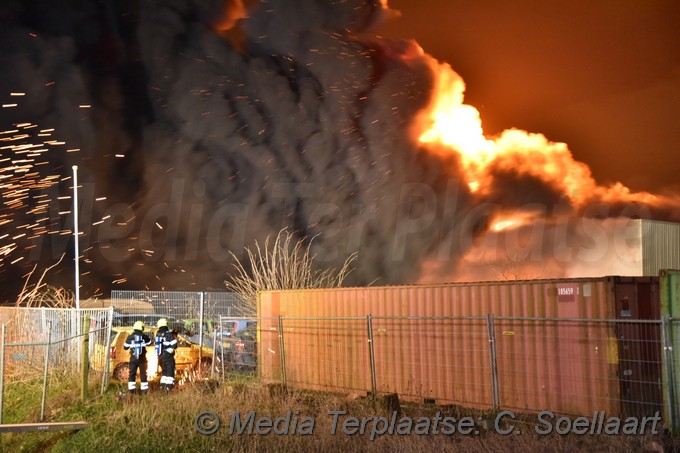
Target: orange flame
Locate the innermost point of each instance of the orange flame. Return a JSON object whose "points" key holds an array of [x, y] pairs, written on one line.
{"points": [[232, 14], [511, 247], [457, 127]]}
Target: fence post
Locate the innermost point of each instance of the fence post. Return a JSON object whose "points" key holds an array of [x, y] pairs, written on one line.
{"points": [[491, 331], [669, 387], [47, 367], [371, 355], [107, 357], [2, 371], [282, 352], [214, 349], [200, 333], [222, 329], [85, 359]]}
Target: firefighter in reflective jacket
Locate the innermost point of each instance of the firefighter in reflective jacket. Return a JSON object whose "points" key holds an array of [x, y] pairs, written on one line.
{"points": [[165, 348], [136, 343]]}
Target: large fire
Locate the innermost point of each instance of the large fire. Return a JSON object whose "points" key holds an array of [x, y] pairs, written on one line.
{"points": [[220, 132], [457, 127], [529, 238]]}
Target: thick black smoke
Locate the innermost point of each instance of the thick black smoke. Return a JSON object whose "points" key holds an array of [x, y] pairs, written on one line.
{"points": [[195, 141], [202, 146]]}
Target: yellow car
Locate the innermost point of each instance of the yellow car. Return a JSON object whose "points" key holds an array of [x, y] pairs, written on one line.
{"points": [[186, 356]]}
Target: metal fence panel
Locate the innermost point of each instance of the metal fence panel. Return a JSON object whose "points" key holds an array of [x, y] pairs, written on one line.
{"points": [[565, 366], [581, 366], [28, 329], [436, 359], [570, 366], [195, 314], [329, 354], [41, 343], [640, 367], [179, 304]]}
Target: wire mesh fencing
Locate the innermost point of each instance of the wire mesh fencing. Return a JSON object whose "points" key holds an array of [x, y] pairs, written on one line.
{"points": [[569, 366], [327, 354], [178, 304], [195, 315], [42, 348], [29, 330], [442, 359], [580, 366]]}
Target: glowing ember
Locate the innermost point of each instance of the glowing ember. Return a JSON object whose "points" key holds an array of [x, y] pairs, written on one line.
{"points": [[23, 187], [29, 186]]}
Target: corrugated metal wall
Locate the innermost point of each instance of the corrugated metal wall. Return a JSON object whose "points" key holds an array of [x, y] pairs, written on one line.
{"points": [[660, 246], [582, 298], [437, 354], [631, 247]]}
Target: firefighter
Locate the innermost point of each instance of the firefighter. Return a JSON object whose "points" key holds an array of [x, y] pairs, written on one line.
{"points": [[165, 348], [136, 343]]}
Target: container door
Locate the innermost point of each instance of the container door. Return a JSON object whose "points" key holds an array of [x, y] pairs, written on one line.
{"points": [[639, 347]]}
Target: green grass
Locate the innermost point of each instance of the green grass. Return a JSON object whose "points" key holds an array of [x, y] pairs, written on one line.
{"points": [[165, 422]]}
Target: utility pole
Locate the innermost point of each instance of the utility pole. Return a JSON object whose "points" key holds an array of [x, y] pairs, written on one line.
{"points": [[76, 251]]}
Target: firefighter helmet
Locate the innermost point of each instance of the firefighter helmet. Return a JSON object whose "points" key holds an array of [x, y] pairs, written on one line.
{"points": [[162, 323], [139, 325]]}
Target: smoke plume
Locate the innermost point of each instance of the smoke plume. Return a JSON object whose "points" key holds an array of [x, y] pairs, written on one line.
{"points": [[199, 128]]}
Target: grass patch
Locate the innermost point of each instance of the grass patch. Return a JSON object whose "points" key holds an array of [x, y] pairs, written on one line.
{"points": [[165, 421]]}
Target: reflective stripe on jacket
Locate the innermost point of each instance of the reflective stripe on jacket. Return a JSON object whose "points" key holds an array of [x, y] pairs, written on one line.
{"points": [[165, 342], [136, 343]]}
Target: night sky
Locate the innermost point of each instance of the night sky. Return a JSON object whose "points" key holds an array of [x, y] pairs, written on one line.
{"points": [[601, 75]]}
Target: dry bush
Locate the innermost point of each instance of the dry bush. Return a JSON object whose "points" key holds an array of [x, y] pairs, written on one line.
{"points": [[25, 356], [27, 332], [285, 263], [515, 267], [40, 294]]}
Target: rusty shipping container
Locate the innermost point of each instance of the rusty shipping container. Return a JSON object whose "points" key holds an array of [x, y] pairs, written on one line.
{"points": [[431, 342]]}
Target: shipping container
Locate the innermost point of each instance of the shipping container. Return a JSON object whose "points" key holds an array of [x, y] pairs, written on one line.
{"points": [[669, 294], [638, 344], [526, 345]]}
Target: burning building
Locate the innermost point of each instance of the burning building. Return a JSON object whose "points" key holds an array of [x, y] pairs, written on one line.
{"points": [[567, 248]]}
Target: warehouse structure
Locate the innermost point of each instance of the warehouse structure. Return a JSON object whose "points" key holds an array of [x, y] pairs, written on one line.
{"points": [[635, 247], [564, 248]]}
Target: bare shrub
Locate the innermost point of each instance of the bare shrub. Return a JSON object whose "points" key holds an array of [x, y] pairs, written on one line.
{"points": [[515, 267], [26, 357], [284, 263], [40, 294]]}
